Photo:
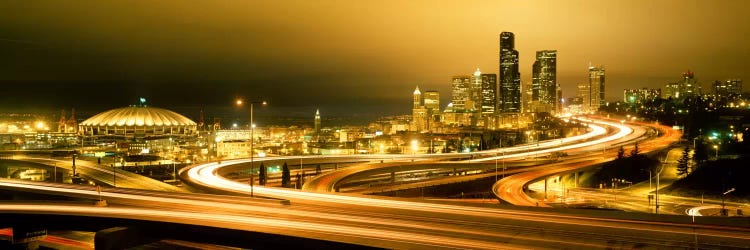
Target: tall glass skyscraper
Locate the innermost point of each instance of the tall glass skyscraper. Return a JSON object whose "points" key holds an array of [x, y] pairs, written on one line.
{"points": [[544, 78], [510, 77], [596, 88]]}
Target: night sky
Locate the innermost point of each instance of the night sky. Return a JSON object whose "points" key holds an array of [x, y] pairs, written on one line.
{"points": [[345, 56]]}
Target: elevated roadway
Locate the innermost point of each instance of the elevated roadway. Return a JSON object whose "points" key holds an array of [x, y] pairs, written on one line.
{"points": [[512, 189], [99, 173], [390, 223]]}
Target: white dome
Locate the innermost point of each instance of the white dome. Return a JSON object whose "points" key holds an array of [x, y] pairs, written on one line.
{"points": [[138, 116]]}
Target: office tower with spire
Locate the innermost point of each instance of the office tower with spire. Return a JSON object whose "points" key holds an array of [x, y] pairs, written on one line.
{"points": [[510, 77], [544, 81], [317, 121], [419, 112]]}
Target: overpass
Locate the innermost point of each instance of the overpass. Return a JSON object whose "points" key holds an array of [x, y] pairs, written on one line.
{"points": [[367, 221]]}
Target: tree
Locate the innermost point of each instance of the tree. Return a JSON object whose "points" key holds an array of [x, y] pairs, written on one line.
{"points": [[262, 176], [317, 170], [286, 179], [683, 162], [621, 153], [635, 152]]}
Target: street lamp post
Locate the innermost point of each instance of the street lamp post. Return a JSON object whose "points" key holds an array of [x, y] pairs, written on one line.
{"points": [[252, 142], [723, 210], [716, 148]]}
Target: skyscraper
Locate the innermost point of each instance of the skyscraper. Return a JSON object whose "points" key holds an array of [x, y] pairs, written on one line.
{"points": [[317, 121], [475, 93], [489, 94], [544, 79], [731, 87], [596, 88], [419, 112], [431, 100], [584, 95], [686, 87], [460, 92], [417, 98], [510, 77]]}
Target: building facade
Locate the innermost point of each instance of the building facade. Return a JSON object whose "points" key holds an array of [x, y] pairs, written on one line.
{"points": [[510, 77], [596, 88], [728, 88], [544, 80], [641, 95], [460, 88], [686, 87], [489, 94]]}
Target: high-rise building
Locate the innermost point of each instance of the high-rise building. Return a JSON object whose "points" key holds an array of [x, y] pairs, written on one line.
{"points": [[419, 112], [475, 92], [489, 94], [417, 98], [584, 95], [510, 77], [317, 121], [596, 88], [640, 95], [431, 100], [544, 79], [728, 88], [686, 87], [460, 92]]}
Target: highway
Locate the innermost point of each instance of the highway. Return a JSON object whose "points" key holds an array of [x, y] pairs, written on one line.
{"points": [[389, 223], [384, 222], [511, 189], [101, 173], [329, 182]]}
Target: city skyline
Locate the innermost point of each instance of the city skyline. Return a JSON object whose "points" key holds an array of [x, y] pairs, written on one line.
{"points": [[105, 55]]}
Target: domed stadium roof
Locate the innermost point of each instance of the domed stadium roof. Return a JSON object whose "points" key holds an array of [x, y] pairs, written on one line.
{"points": [[138, 116]]}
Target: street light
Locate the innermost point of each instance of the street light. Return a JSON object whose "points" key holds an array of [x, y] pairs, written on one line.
{"points": [[239, 102], [723, 210], [716, 148]]}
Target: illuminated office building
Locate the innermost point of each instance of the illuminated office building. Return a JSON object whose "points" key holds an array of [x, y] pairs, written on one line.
{"points": [[460, 91], [431, 100], [728, 88], [489, 94], [640, 95], [544, 81], [475, 92], [510, 77], [595, 96], [419, 112], [686, 87]]}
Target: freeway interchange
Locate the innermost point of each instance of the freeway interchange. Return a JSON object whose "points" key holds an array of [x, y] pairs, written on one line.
{"points": [[317, 213]]}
